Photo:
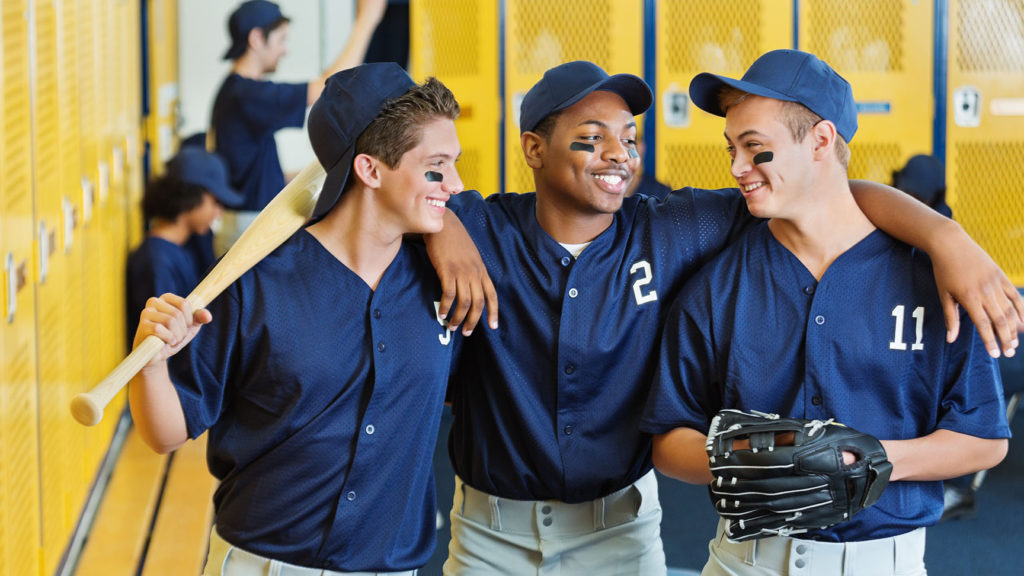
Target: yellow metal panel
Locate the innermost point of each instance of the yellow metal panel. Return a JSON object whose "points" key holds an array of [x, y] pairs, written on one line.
{"points": [[885, 50], [19, 450], [718, 37], [540, 34], [163, 82], [457, 41], [985, 121]]}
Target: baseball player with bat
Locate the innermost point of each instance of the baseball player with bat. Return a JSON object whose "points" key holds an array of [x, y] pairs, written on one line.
{"points": [[320, 374], [553, 471], [805, 373]]}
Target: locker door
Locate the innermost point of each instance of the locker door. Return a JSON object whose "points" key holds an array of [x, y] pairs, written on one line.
{"points": [[458, 43], [19, 467], [717, 37], [985, 126], [540, 34], [884, 49]]}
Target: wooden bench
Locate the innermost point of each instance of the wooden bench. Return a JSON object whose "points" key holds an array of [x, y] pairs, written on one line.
{"points": [[155, 515]]}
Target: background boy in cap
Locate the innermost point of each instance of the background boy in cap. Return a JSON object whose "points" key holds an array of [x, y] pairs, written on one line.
{"points": [[552, 467], [178, 206], [249, 108], [817, 314], [321, 372]]}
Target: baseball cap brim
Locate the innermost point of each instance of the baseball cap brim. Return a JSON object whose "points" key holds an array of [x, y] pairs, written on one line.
{"points": [[705, 87], [227, 196], [334, 183], [631, 88]]}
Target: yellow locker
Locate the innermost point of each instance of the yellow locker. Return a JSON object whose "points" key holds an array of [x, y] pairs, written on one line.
{"points": [[457, 41], [163, 83], [19, 465], [59, 464], [985, 126], [718, 37], [540, 34], [885, 50]]}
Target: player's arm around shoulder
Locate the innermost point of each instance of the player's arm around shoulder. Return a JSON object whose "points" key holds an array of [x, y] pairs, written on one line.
{"points": [[155, 406], [942, 455], [681, 453]]}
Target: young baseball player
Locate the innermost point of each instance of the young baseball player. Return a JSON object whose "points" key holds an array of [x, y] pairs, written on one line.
{"points": [[552, 469], [816, 314], [320, 374], [249, 108], [179, 206]]}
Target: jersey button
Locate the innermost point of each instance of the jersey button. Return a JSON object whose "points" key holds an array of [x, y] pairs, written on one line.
{"points": [[570, 369], [567, 430], [380, 346], [566, 260], [370, 429], [816, 400], [376, 314], [351, 496], [573, 293], [808, 290], [819, 320]]}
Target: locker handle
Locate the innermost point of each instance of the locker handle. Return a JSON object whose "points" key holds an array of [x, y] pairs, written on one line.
{"points": [[12, 287], [45, 249]]}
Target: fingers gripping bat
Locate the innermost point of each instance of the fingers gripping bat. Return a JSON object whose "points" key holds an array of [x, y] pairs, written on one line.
{"points": [[285, 214]]}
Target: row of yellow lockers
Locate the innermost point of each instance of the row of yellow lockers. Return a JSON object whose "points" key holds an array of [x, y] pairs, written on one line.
{"points": [[71, 177], [490, 53]]}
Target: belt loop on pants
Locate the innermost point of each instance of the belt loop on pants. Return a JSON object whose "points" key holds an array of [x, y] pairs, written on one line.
{"points": [[495, 513]]}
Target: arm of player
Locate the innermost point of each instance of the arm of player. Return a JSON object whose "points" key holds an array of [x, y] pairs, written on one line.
{"points": [[368, 15], [464, 278], [964, 272], [681, 454], [942, 455], [156, 409]]}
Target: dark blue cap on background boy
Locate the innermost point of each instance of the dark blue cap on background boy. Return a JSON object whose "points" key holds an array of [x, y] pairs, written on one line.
{"points": [[350, 101], [567, 84], [792, 76], [194, 165], [249, 15]]}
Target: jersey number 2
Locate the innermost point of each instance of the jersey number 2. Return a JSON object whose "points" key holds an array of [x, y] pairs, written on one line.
{"points": [[898, 343], [644, 267]]}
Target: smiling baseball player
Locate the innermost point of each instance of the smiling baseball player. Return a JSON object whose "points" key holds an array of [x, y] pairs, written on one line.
{"points": [[819, 317], [322, 375]]}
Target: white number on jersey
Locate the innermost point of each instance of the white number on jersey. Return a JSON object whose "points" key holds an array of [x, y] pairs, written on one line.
{"points": [[898, 343], [445, 338], [644, 267]]}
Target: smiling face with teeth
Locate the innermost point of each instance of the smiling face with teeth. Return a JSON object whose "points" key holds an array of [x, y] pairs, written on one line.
{"points": [[771, 189], [411, 200], [578, 190]]}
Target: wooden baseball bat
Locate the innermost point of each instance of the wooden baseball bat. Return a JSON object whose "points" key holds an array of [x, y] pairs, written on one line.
{"points": [[285, 214]]}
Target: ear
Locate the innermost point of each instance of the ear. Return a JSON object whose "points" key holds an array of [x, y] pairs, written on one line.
{"points": [[534, 147], [256, 38], [367, 169], [823, 138]]}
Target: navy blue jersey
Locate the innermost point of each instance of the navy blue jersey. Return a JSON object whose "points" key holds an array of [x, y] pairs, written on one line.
{"points": [[323, 399], [548, 405], [156, 267], [246, 114], [866, 346]]}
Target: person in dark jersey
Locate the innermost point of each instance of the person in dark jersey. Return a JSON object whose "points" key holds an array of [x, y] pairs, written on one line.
{"points": [[320, 374]]}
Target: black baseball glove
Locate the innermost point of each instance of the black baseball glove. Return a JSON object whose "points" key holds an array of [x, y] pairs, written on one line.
{"points": [[780, 488]]}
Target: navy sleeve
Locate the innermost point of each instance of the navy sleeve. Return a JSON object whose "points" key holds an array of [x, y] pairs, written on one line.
{"points": [[272, 106]]}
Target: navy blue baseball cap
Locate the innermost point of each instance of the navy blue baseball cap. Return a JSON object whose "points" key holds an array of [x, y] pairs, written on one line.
{"points": [[350, 101], [567, 84], [249, 15], [789, 75], [194, 165]]}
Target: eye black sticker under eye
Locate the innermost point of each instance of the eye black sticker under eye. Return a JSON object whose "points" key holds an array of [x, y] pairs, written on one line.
{"points": [[762, 157], [633, 153], [581, 147], [434, 176]]}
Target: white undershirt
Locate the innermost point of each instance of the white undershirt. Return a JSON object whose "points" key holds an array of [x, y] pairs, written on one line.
{"points": [[575, 249]]}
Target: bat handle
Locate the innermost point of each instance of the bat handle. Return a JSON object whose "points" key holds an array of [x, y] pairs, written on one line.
{"points": [[87, 407]]}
